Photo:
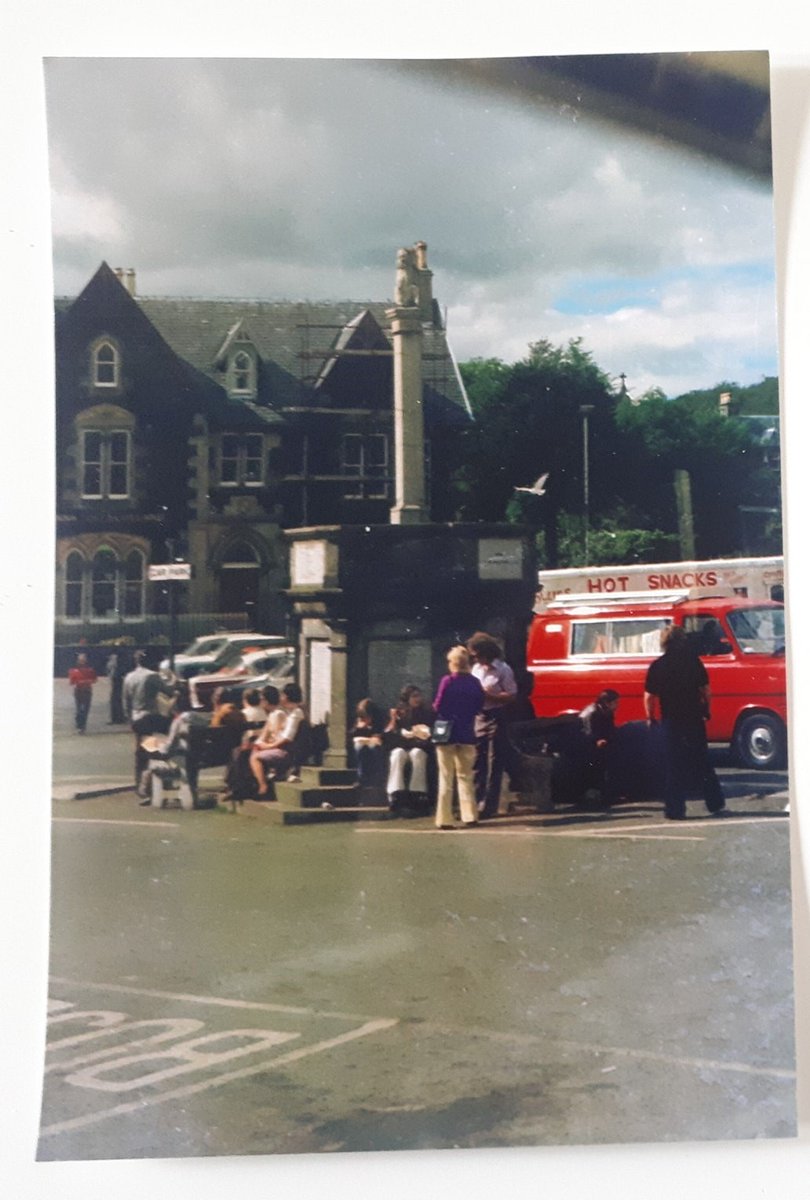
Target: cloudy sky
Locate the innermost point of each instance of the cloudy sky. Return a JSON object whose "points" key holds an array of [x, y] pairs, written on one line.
{"points": [[280, 179]]}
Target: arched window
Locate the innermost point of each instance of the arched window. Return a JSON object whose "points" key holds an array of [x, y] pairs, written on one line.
{"points": [[105, 365], [242, 372], [133, 584], [104, 585], [74, 585], [239, 555]]}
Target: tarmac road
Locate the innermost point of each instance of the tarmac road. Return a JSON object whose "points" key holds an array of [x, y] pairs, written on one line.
{"points": [[224, 985]]}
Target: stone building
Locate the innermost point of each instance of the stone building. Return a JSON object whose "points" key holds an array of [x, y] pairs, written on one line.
{"points": [[200, 430]]}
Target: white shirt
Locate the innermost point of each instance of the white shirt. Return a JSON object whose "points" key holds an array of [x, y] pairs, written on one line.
{"points": [[495, 677]]}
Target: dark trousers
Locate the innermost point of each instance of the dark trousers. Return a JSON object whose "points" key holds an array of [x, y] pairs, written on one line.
{"points": [[688, 768], [492, 756], [370, 762], [117, 716], [82, 697]]}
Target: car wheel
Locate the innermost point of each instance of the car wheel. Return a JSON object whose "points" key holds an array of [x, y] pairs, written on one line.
{"points": [[760, 742]]}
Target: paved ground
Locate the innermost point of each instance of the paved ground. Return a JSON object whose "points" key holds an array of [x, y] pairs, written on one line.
{"points": [[223, 985]]}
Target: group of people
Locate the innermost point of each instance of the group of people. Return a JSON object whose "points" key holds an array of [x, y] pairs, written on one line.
{"points": [[261, 733], [473, 704], [403, 753]]}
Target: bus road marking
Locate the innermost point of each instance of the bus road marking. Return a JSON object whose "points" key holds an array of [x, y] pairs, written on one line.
{"points": [[113, 1069], [204, 1085]]}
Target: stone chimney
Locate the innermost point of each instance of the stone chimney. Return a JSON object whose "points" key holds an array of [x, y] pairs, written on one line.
{"points": [[424, 282], [126, 277]]}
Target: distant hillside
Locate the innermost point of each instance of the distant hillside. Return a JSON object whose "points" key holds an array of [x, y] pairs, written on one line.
{"points": [[755, 399]]}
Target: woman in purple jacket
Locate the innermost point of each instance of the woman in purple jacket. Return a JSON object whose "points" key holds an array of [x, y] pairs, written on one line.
{"points": [[459, 699]]}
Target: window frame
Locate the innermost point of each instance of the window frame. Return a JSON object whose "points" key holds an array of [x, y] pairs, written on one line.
{"points": [[105, 463], [78, 584], [607, 625], [241, 458], [370, 479], [114, 364]]}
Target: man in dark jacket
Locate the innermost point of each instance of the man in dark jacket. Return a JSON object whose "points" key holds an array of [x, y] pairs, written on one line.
{"points": [[677, 685]]}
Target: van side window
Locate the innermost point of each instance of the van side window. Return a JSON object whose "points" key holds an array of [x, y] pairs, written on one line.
{"points": [[636, 635], [706, 635]]}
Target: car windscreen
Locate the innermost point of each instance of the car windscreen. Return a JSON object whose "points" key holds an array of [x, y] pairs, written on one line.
{"points": [[204, 645], [758, 630]]}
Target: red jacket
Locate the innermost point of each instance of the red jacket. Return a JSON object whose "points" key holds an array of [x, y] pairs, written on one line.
{"points": [[82, 677]]}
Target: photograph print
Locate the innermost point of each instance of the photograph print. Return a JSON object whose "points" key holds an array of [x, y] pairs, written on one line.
{"points": [[420, 734]]}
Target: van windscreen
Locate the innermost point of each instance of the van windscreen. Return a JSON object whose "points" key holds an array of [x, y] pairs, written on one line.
{"points": [[758, 630], [631, 635]]}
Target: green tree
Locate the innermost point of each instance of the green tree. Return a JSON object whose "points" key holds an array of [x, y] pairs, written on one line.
{"points": [[528, 422]]}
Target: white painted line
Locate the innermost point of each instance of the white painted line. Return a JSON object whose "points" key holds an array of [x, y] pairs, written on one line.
{"points": [[698, 1064], [115, 821], [546, 833], [605, 829], [205, 1085], [217, 1001]]}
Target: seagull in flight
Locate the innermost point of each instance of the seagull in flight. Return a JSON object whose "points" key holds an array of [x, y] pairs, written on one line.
{"points": [[538, 488]]}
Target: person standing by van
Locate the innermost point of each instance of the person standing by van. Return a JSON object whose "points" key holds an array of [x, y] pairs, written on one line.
{"points": [[678, 686], [142, 693], [492, 742]]}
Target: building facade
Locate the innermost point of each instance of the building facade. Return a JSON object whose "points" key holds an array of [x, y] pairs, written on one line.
{"points": [[199, 430]]}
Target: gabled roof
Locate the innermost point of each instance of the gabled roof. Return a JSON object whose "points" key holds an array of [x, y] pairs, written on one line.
{"points": [[105, 305], [296, 343], [361, 333]]}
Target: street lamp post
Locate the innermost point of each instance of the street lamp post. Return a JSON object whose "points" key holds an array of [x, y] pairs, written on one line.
{"points": [[585, 411]]}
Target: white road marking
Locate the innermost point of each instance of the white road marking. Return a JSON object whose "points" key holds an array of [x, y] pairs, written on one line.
{"points": [[614, 830], [116, 821], [206, 1084], [217, 1001], [674, 1060], [546, 833]]}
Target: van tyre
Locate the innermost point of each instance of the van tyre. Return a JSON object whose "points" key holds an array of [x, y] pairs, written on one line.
{"points": [[760, 742]]}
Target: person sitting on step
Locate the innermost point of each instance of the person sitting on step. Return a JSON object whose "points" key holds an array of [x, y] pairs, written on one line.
{"points": [[278, 755], [407, 740]]}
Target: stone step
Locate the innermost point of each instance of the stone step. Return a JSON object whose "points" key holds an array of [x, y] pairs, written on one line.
{"points": [[302, 795], [328, 776], [320, 816]]}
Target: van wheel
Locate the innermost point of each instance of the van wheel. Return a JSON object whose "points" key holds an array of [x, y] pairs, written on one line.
{"points": [[760, 742]]}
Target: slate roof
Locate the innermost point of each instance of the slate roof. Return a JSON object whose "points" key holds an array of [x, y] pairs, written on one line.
{"points": [[288, 338], [293, 340]]}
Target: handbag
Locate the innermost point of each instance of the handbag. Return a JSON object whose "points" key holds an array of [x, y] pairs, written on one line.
{"points": [[442, 732]]}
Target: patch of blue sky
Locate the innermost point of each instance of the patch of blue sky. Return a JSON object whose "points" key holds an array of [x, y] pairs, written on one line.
{"points": [[593, 295]]}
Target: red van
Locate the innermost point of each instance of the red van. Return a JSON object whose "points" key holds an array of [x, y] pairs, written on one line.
{"points": [[580, 644]]}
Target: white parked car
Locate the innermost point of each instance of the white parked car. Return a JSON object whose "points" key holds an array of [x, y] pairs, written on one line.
{"points": [[214, 651]]}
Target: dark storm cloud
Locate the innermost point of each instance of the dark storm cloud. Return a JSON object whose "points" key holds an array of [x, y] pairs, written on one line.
{"points": [[300, 178]]}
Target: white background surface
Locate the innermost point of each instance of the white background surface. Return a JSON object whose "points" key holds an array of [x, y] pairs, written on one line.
{"points": [[415, 29]]}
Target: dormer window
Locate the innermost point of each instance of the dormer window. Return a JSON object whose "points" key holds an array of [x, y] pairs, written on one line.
{"points": [[105, 365], [241, 373]]}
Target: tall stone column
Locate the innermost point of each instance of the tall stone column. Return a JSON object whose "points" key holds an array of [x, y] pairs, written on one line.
{"points": [[337, 755], [409, 431]]}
